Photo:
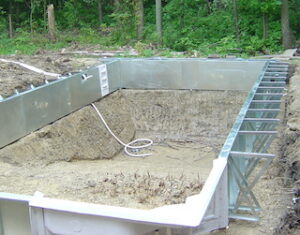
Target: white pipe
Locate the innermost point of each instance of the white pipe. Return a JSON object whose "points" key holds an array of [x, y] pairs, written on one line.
{"points": [[126, 146], [130, 144], [30, 67]]}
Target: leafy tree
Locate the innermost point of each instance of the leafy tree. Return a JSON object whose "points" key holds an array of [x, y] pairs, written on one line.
{"points": [[222, 26]]}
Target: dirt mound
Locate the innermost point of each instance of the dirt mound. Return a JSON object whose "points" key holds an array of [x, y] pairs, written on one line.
{"points": [[290, 157], [189, 116], [78, 136], [141, 189]]}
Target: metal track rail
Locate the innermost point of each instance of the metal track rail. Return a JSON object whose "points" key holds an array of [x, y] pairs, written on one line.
{"points": [[248, 159]]}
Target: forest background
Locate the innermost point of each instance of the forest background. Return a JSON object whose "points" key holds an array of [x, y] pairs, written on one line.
{"points": [[239, 27]]}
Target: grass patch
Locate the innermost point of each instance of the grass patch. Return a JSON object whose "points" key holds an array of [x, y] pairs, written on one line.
{"points": [[27, 43]]}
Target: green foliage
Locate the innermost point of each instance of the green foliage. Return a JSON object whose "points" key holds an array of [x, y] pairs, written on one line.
{"points": [[77, 14], [3, 25], [22, 44], [143, 49], [295, 16], [123, 22], [188, 25]]}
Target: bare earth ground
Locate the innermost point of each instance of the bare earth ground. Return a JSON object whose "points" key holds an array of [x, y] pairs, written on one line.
{"points": [[76, 158], [43, 156], [70, 150], [290, 156], [13, 77], [123, 181]]}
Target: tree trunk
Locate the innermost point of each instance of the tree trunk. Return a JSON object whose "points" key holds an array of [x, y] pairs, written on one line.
{"points": [[100, 12], [265, 20], [209, 6], [17, 14], [158, 21], [10, 26], [31, 16], [236, 20], [117, 5], [285, 26], [51, 22], [140, 19]]}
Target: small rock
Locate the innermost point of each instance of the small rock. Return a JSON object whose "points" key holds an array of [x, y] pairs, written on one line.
{"points": [[48, 59], [91, 183], [213, 56], [66, 60]]}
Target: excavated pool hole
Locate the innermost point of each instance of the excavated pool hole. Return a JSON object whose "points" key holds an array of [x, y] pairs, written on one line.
{"points": [[75, 158]]}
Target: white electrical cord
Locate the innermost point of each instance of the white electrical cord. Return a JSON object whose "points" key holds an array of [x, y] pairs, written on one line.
{"points": [[130, 144]]}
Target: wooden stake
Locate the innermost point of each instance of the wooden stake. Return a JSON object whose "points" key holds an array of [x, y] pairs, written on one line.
{"points": [[51, 22], [158, 21]]}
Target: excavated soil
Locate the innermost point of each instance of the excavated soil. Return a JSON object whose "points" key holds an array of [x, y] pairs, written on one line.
{"points": [[76, 158], [290, 157], [14, 77]]}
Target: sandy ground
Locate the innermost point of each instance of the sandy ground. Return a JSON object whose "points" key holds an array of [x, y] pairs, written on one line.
{"points": [[75, 151], [122, 181], [76, 158]]}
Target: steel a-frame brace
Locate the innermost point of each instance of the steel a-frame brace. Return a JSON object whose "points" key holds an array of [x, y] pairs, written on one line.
{"points": [[248, 158]]}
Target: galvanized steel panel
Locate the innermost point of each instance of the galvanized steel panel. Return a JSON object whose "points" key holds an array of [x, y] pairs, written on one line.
{"points": [[151, 74], [28, 111], [84, 91], [189, 74], [114, 76]]}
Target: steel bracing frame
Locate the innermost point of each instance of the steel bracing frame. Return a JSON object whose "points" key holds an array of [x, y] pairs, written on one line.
{"points": [[248, 158]]}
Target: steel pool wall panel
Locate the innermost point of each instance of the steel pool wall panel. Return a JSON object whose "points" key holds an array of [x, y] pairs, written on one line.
{"points": [[28, 111], [189, 74]]}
